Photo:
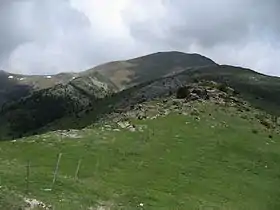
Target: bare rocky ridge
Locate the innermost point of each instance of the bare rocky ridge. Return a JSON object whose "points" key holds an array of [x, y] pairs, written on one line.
{"points": [[183, 97]]}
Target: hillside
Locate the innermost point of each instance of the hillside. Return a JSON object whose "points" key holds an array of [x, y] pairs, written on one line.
{"points": [[202, 147]]}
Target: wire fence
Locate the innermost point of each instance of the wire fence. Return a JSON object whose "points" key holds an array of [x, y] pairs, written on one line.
{"points": [[27, 176], [61, 168]]}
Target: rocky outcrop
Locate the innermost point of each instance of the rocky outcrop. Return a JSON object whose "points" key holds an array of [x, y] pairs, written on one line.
{"points": [[179, 102]]}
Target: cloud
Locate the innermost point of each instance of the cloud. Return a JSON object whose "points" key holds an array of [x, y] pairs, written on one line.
{"points": [[50, 36], [244, 33]]}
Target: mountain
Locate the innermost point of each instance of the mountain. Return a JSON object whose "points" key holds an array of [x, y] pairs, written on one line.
{"points": [[203, 136], [19, 91], [123, 74], [97, 92], [132, 72]]}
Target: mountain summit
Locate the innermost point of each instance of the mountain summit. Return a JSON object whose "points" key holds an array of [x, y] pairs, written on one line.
{"points": [[131, 72]]}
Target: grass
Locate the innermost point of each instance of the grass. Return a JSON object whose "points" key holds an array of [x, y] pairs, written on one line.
{"points": [[178, 162]]}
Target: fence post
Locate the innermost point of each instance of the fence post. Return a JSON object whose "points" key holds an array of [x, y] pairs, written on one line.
{"points": [[27, 176], [78, 169], [97, 166], [56, 169]]}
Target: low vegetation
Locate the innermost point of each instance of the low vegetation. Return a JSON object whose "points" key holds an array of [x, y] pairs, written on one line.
{"points": [[173, 160]]}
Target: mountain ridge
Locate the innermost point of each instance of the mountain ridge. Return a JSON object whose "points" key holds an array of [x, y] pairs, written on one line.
{"points": [[128, 73], [82, 94], [12, 83]]}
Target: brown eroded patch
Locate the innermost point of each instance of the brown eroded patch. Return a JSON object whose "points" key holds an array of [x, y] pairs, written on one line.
{"points": [[121, 77], [120, 73]]}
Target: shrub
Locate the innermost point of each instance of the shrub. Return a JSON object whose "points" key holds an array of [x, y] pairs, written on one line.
{"points": [[255, 131], [194, 112], [196, 80], [222, 87], [182, 92], [235, 92]]}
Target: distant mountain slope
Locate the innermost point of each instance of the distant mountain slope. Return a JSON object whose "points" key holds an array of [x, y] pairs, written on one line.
{"points": [[128, 73], [46, 105], [15, 86]]}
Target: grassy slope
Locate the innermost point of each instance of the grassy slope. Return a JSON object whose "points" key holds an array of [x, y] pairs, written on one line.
{"points": [[260, 90], [201, 164]]}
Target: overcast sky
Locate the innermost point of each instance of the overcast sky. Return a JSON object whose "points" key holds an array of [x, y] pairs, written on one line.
{"points": [[50, 36]]}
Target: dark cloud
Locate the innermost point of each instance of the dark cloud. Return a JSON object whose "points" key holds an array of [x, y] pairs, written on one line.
{"points": [[9, 35], [230, 31], [49, 36], [39, 36]]}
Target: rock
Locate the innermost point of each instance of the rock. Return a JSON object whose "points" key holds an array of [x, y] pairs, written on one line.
{"points": [[193, 97], [141, 128], [154, 117], [191, 93], [195, 112], [176, 102], [165, 100], [197, 118], [123, 124], [141, 116], [201, 92], [35, 204], [132, 128]]}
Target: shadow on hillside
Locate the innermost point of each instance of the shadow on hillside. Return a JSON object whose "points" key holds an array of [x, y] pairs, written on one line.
{"points": [[11, 89], [117, 102]]}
